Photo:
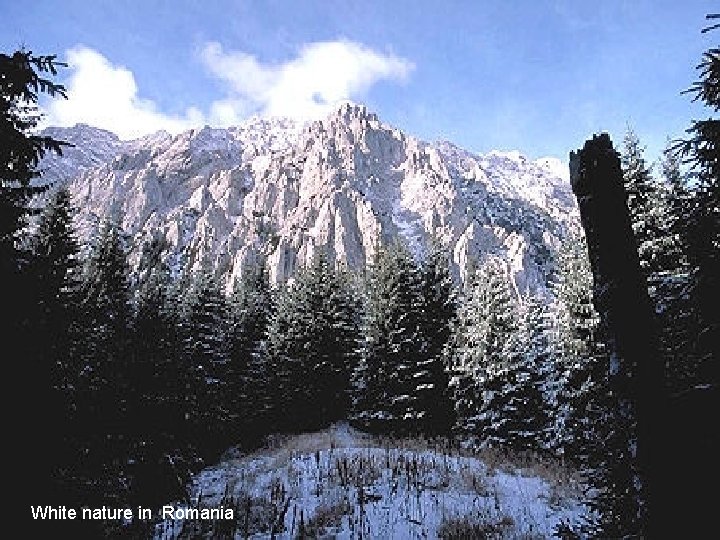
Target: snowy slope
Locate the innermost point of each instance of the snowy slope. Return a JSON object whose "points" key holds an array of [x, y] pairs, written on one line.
{"points": [[344, 484], [275, 190]]}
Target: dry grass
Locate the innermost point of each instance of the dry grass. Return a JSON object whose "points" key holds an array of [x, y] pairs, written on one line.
{"points": [[313, 485], [478, 527], [326, 518], [565, 482]]}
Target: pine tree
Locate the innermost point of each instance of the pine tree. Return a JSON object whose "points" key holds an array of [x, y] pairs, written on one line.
{"points": [[486, 321], [438, 314], [663, 244], [21, 81], [702, 214], [674, 198], [252, 306], [689, 313], [312, 345], [518, 405], [23, 77], [155, 384], [155, 338], [344, 307], [104, 404], [107, 316], [55, 268], [677, 319], [206, 358], [579, 376], [387, 397], [644, 202]]}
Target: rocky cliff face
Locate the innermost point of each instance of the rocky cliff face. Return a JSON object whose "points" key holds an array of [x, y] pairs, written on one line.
{"points": [[277, 191]]}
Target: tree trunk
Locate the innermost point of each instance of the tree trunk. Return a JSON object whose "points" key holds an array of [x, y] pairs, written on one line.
{"points": [[621, 298]]}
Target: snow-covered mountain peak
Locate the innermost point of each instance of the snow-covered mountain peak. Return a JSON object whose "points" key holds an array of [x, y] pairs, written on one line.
{"points": [[349, 111], [152, 139]]}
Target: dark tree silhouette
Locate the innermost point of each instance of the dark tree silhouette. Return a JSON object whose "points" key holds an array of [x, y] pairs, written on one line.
{"points": [[635, 378], [252, 306], [691, 438], [23, 77], [702, 214], [313, 347], [438, 315], [21, 82]]}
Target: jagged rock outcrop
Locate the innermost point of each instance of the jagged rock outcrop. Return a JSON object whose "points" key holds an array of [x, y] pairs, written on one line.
{"points": [[276, 191]]}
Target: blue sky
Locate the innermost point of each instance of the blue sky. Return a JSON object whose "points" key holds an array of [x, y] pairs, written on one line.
{"points": [[535, 76]]}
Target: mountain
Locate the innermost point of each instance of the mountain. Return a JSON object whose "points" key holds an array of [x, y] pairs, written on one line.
{"points": [[276, 190]]}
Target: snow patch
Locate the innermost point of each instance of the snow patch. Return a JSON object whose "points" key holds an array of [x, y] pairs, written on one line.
{"points": [[345, 484]]}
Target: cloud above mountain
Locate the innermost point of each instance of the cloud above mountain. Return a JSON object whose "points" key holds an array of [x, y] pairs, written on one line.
{"points": [[322, 74], [106, 95]]}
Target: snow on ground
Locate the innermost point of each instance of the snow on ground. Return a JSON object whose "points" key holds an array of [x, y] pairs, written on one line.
{"points": [[342, 483]]}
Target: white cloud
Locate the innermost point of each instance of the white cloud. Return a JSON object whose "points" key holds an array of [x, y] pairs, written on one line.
{"points": [[104, 95], [322, 75]]}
